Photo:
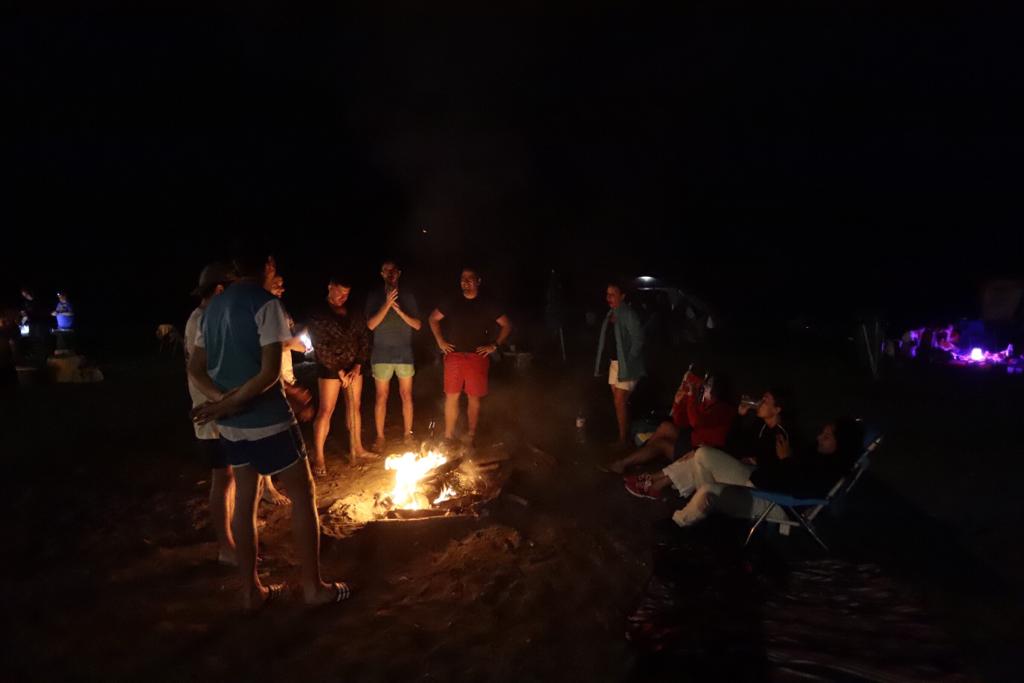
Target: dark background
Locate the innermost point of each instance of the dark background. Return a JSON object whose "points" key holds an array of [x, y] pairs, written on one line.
{"points": [[819, 159]]}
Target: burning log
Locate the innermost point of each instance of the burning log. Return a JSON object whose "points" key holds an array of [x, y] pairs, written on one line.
{"points": [[416, 514]]}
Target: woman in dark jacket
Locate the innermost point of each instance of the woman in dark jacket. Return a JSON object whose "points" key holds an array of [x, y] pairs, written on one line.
{"points": [[341, 343]]}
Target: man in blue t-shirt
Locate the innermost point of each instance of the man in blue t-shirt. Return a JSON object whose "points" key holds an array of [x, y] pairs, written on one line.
{"points": [[237, 365], [392, 315]]}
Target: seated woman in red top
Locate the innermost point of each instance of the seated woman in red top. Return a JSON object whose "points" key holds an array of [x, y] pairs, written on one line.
{"points": [[705, 410]]}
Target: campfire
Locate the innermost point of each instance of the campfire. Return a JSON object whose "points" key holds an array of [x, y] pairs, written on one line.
{"points": [[410, 470], [428, 482]]}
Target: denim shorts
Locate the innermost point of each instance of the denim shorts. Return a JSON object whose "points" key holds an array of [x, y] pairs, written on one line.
{"points": [[269, 455]]}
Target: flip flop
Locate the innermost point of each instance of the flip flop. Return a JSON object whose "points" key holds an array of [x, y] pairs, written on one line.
{"points": [[342, 591], [274, 594], [319, 472]]}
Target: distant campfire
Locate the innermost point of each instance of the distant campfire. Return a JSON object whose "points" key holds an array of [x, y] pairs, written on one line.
{"points": [[944, 344], [980, 356]]}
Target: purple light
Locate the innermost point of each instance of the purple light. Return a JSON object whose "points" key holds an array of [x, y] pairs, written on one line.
{"points": [[977, 355]]}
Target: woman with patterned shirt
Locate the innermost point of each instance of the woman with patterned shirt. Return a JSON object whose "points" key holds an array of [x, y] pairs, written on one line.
{"points": [[341, 342]]}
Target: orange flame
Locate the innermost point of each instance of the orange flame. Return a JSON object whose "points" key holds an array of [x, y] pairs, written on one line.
{"points": [[410, 468]]}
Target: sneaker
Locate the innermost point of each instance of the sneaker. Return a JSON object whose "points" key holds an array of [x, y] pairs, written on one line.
{"points": [[640, 486]]}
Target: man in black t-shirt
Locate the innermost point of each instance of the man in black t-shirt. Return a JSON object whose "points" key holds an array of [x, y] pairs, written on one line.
{"points": [[474, 328]]}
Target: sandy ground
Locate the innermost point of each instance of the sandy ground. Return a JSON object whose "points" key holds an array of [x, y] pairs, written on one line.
{"points": [[108, 568]]}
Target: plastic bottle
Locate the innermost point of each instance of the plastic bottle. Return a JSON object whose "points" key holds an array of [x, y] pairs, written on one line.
{"points": [[581, 427]]}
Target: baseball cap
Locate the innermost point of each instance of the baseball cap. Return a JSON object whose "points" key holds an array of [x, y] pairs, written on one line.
{"points": [[214, 274]]}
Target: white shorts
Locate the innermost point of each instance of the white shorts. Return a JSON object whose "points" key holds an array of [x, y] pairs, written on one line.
{"points": [[613, 378]]}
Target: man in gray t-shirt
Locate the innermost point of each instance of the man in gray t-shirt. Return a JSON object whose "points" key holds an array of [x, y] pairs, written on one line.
{"points": [[392, 315]]}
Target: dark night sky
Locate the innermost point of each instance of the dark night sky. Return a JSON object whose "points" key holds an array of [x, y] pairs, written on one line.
{"points": [[822, 154]]}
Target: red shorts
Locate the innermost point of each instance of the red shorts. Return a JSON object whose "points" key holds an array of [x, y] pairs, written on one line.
{"points": [[466, 369]]}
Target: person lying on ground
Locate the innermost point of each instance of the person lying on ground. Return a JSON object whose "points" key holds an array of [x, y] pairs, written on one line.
{"points": [[702, 415]]}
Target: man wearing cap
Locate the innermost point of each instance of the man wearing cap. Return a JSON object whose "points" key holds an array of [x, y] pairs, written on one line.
{"points": [[236, 364], [212, 281]]}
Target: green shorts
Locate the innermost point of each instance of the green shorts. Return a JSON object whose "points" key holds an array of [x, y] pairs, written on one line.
{"points": [[382, 372]]}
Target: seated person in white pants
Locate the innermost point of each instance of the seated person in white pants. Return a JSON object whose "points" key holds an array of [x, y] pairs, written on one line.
{"points": [[718, 485], [755, 441], [809, 475]]}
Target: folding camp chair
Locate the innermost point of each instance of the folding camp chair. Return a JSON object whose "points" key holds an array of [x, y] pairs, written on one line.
{"points": [[809, 508]]}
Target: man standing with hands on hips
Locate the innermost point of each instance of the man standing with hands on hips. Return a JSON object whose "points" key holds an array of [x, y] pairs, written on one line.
{"points": [[468, 339]]}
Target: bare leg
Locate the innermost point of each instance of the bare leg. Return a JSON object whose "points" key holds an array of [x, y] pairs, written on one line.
{"points": [[306, 532], [353, 398], [380, 409], [451, 414], [405, 391], [222, 505], [621, 399], [329, 389], [473, 412], [243, 525], [270, 494], [662, 443]]}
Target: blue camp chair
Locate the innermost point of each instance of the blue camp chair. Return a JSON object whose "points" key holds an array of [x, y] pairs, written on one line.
{"points": [[803, 511]]}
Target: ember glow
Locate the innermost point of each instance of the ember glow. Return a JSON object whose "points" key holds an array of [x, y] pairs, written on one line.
{"points": [[410, 468]]}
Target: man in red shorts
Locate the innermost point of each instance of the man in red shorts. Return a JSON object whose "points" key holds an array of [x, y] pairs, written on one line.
{"points": [[475, 327]]}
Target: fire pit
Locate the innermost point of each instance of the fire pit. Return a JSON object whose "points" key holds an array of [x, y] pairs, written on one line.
{"points": [[429, 483], [420, 484]]}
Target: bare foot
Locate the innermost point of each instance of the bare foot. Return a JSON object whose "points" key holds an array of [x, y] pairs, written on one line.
{"points": [[365, 454], [328, 593], [262, 595], [378, 444], [273, 496]]}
